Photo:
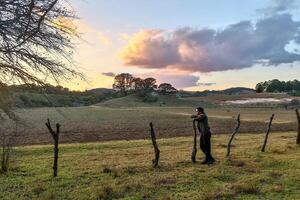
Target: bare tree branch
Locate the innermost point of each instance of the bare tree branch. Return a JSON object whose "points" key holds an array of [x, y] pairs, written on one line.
{"points": [[36, 43]]}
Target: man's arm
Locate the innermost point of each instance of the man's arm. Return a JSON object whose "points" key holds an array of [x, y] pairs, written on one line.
{"points": [[198, 117]]}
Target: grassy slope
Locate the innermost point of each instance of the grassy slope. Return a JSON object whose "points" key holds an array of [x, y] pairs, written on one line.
{"points": [[122, 170], [164, 101]]}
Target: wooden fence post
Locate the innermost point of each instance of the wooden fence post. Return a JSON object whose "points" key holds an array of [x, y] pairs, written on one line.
{"points": [[194, 152], [298, 120], [55, 136], [156, 149], [267, 133], [233, 134]]}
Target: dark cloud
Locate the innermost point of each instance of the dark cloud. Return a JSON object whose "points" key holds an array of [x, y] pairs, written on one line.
{"points": [[110, 74], [206, 84], [238, 46]]}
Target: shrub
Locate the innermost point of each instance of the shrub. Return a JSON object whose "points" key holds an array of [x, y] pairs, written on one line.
{"points": [[25, 100], [149, 98], [295, 102]]}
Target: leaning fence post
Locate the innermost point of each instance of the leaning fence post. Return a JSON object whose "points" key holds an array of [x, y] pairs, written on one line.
{"points": [[55, 135], [298, 120], [233, 134], [156, 149], [194, 152], [267, 133]]}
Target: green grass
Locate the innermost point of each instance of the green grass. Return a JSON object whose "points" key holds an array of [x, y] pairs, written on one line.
{"points": [[122, 170]]}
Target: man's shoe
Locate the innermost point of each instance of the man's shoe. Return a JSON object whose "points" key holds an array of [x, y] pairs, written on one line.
{"points": [[210, 162]]}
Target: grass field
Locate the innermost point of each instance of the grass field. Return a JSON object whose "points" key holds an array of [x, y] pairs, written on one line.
{"points": [[99, 123], [122, 170]]}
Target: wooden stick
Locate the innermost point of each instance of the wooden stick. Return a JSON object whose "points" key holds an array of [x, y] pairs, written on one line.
{"points": [[298, 120], [233, 134], [156, 149], [194, 152], [55, 136], [267, 134]]}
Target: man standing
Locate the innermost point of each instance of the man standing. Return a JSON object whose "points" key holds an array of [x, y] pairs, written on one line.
{"points": [[205, 135]]}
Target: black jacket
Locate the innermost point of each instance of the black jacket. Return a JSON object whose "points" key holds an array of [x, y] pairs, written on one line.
{"points": [[202, 124]]}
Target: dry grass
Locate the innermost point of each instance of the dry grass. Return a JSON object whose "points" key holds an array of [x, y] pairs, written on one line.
{"points": [[86, 124], [122, 170]]}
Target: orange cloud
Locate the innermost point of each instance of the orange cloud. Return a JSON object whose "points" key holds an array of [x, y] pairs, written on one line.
{"points": [[91, 33]]}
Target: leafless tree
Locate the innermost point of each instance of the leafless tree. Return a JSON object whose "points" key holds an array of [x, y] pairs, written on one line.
{"points": [[36, 47], [36, 42]]}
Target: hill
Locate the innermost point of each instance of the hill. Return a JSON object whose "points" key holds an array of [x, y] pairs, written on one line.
{"points": [[161, 101], [101, 91], [228, 91], [29, 96], [57, 96]]}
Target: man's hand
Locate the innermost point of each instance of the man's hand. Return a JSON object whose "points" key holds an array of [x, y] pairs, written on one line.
{"points": [[193, 116]]}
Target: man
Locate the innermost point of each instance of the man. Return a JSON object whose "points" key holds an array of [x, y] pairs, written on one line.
{"points": [[205, 135]]}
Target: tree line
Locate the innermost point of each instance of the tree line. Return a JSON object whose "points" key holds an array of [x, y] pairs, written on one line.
{"points": [[276, 85], [127, 84]]}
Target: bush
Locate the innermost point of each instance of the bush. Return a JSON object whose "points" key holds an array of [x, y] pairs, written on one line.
{"points": [[295, 102], [25, 100], [295, 93], [149, 98]]}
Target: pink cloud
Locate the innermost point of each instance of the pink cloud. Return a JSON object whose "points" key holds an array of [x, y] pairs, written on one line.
{"points": [[238, 46]]}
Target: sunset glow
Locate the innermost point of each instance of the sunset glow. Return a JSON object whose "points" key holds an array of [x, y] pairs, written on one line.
{"points": [[194, 50]]}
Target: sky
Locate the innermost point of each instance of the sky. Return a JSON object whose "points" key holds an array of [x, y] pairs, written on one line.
{"points": [[194, 45]]}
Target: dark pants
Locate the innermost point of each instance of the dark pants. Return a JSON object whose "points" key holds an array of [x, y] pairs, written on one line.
{"points": [[205, 146]]}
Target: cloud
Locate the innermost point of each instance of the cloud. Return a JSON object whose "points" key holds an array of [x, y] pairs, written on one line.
{"points": [[279, 6], [178, 79], [110, 74], [206, 84], [237, 46], [103, 38], [91, 34]]}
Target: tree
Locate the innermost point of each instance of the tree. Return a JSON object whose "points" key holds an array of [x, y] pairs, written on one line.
{"points": [[278, 86], [36, 42], [259, 88], [123, 82], [138, 85], [166, 88], [36, 45], [149, 84]]}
